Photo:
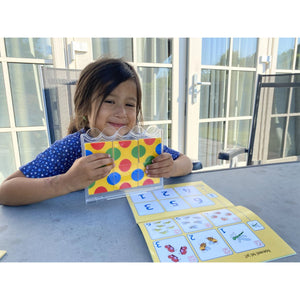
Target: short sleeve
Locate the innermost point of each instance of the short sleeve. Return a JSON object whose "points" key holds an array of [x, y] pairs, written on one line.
{"points": [[175, 154], [55, 160]]}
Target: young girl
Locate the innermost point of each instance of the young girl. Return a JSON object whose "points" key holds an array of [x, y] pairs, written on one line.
{"points": [[108, 95]]}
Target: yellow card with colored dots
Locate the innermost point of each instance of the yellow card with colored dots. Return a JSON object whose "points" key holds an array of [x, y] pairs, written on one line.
{"points": [[149, 148], [101, 185], [126, 162]]}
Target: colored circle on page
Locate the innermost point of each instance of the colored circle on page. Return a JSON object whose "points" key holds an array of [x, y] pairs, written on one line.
{"points": [[137, 174], [124, 144], [148, 160], [138, 151], [98, 146], [88, 152], [125, 165], [113, 178], [148, 181], [158, 149], [125, 185], [149, 141], [100, 189]]}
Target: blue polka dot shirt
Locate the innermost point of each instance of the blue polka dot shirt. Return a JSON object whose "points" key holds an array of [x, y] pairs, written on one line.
{"points": [[60, 156]]}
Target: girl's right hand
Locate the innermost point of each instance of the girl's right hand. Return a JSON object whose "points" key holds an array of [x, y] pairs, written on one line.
{"points": [[87, 169]]}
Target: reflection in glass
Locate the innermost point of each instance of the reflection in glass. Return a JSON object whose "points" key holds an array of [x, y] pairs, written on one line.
{"points": [[293, 137], [4, 119], [154, 50], [7, 160], [213, 97], [112, 47], [238, 135], [244, 52], [211, 142], [276, 140], [31, 143], [241, 93], [26, 96], [29, 47], [285, 53], [167, 134], [156, 91], [295, 104], [298, 55], [215, 51]]}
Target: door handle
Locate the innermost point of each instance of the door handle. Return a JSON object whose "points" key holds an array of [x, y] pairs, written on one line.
{"points": [[195, 90]]}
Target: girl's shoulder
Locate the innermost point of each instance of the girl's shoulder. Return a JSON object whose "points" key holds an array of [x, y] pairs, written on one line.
{"points": [[175, 154]]}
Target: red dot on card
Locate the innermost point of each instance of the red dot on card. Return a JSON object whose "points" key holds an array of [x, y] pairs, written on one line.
{"points": [[125, 165], [97, 146], [124, 144], [148, 181], [125, 185], [100, 189], [149, 141]]}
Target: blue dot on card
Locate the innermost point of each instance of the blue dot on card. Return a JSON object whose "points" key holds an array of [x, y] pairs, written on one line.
{"points": [[137, 174], [113, 178], [88, 152], [158, 149]]}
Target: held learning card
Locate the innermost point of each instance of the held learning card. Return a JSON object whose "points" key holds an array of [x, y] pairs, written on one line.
{"points": [[191, 222]]}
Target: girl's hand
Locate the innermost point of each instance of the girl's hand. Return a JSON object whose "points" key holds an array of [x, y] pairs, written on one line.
{"points": [[85, 170], [162, 166]]}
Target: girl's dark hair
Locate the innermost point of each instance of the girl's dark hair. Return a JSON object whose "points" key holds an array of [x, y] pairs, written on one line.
{"points": [[97, 80]]}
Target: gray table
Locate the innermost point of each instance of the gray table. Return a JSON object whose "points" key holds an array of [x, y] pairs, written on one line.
{"points": [[65, 229]]}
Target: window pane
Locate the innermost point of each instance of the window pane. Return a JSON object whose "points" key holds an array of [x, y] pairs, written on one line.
{"points": [[298, 55], [215, 51], [7, 160], [238, 133], [285, 53], [112, 47], [156, 91], [241, 93], [213, 97], [295, 104], [26, 96], [29, 47], [211, 142], [31, 143], [276, 137], [4, 119], [244, 52], [293, 138], [153, 50]]}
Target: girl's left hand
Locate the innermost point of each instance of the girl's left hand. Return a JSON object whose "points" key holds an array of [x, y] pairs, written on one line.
{"points": [[162, 166]]}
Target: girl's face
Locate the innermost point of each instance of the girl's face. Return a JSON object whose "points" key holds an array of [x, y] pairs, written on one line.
{"points": [[117, 110]]}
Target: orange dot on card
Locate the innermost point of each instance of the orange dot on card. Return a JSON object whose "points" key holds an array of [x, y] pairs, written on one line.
{"points": [[125, 185], [97, 146], [124, 144], [149, 141], [148, 181], [100, 189], [125, 165]]}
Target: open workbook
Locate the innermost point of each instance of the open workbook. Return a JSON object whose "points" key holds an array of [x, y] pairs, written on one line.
{"points": [[191, 222]]}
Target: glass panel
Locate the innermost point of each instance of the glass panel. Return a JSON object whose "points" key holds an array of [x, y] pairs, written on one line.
{"points": [[238, 135], [295, 104], [31, 143], [154, 50], [211, 142], [4, 119], [7, 160], [167, 134], [293, 137], [276, 139], [29, 47], [26, 96], [215, 51], [298, 55], [241, 93], [285, 53], [112, 47], [213, 97], [244, 52], [156, 91]]}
